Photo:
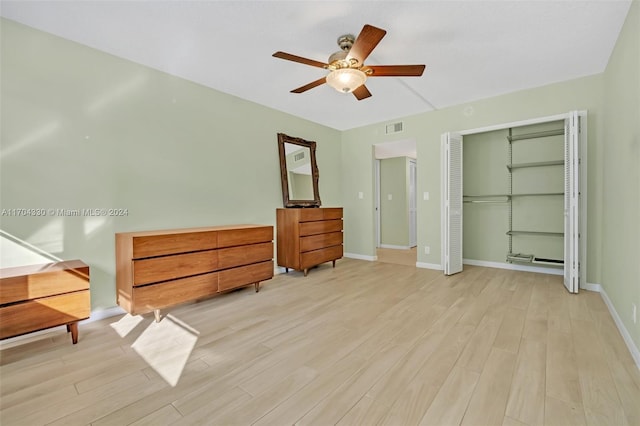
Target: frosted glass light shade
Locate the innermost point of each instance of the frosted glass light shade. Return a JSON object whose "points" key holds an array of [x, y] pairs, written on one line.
{"points": [[346, 80]]}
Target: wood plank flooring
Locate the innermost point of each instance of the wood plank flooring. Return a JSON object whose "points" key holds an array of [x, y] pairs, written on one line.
{"points": [[366, 343]]}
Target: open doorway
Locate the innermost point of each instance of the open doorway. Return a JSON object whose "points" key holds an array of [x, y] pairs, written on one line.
{"points": [[396, 217]]}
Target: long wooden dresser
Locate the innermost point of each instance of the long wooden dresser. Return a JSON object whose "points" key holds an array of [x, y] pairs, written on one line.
{"points": [[307, 237], [36, 297], [158, 269]]}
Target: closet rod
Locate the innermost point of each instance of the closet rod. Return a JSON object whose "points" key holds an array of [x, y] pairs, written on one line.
{"points": [[513, 138], [486, 196], [486, 201], [550, 234]]}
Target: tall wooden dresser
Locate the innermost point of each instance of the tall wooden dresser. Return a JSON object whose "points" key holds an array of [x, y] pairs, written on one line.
{"points": [[158, 269], [307, 237]]}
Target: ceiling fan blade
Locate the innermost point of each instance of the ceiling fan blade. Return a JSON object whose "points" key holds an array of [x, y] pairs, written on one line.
{"points": [[367, 40], [299, 59], [361, 92], [394, 70], [311, 85]]}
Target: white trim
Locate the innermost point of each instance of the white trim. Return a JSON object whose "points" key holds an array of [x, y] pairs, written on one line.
{"points": [[104, 313], [513, 266], [515, 124], [391, 246], [360, 257], [376, 196], [592, 287], [279, 270], [635, 353], [429, 266]]}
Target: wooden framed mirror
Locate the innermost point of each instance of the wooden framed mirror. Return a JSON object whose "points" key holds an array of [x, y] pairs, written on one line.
{"points": [[298, 172]]}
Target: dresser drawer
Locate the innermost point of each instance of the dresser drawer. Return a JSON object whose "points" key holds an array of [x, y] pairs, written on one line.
{"points": [[158, 296], [243, 236], [319, 241], [244, 255], [320, 227], [45, 312], [156, 269], [316, 257], [310, 215], [35, 284], [163, 244], [243, 275]]}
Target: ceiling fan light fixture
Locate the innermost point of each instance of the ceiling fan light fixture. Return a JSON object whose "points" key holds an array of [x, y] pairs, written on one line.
{"points": [[346, 80]]}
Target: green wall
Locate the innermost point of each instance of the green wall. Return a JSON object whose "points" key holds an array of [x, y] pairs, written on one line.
{"points": [[394, 213], [621, 175], [84, 129], [579, 94]]}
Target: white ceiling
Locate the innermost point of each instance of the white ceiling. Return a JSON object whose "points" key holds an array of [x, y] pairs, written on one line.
{"points": [[472, 49]]}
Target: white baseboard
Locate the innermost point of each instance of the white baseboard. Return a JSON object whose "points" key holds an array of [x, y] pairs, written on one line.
{"points": [[592, 287], [98, 315], [425, 265], [391, 246], [360, 257], [635, 353], [513, 266]]}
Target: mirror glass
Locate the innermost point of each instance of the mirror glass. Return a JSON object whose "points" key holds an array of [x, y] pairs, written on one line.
{"points": [[299, 172]]}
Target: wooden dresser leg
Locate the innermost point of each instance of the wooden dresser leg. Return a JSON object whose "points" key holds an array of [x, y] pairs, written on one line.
{"points": [[306, 270], [73, 327], [286, 270], [257, 286], [334, 263], [156, 314]]}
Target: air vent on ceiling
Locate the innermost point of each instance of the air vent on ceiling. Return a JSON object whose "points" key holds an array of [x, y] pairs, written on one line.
{"points": [[394, 127], [299, 156]]}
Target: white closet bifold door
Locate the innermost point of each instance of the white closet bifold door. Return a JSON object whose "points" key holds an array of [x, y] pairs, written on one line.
{"points": [[451, 148], [571, 202]]}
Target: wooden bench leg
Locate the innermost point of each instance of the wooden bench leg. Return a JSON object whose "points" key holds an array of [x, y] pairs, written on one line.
{"points": [[156, 314], [73, 328]]}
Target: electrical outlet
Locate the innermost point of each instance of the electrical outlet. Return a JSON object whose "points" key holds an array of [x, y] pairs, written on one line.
{"points": [[361, 195], [427, 249], [635, 317], [425, 196]]}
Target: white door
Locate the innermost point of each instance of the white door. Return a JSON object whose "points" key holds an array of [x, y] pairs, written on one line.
{"points": [[413, 233], [571, 203], [451, 149], [377, 199]]}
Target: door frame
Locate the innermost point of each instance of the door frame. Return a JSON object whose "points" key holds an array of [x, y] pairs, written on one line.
{"points": [[582, 114]]}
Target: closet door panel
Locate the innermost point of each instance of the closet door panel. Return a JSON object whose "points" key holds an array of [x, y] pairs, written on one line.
{"points": [[452, 202], [571, 198]]}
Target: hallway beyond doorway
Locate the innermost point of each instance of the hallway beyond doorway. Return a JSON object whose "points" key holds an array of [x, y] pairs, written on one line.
{"points": [[397, 256]]}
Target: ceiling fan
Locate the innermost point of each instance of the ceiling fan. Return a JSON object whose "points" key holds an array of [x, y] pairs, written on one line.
{"points": [[348, 72]]}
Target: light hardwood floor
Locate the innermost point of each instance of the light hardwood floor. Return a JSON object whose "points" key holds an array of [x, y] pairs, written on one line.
{"points": [[365, 343], [406, 257]]}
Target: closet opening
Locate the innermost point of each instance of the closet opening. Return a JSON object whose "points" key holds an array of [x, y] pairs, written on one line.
{"points": [[512, 197]]}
